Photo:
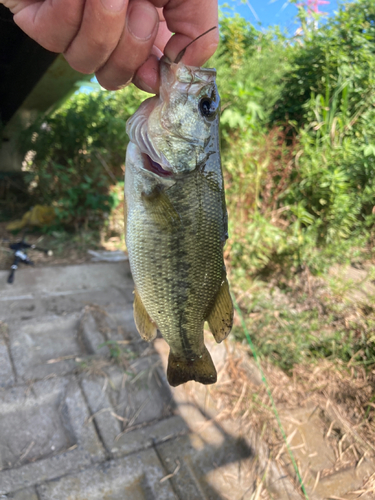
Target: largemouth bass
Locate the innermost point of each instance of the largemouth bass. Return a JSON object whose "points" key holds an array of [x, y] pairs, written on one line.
{"points": [[176, 220]]}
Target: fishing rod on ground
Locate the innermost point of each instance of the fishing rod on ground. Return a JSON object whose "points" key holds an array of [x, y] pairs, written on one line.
{"points": [[20, 256]]}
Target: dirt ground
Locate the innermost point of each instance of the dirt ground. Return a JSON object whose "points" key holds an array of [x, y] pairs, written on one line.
{"points": [[318, 415], [66, 248]]}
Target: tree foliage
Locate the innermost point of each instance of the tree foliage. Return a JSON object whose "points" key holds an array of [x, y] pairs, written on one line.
{"points": [[75, 154], [335, 61], [298, 142]]}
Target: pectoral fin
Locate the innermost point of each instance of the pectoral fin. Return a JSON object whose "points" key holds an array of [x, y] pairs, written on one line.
{"points": [[161, 209], [181, 370], [220, 318], [145, 326]]}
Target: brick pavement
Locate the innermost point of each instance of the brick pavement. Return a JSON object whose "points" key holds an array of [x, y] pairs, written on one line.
{"points": [[74, 425]]}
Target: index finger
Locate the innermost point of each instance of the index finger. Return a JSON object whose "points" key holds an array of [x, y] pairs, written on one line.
{"points": [[188, 19]]}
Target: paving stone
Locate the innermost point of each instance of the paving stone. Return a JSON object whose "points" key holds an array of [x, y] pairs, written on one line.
{"points": [[209, 462], [345, 481], [34, 343], [64, 289], [21, 307], [72, 301], [97, 327], [125, 320], [132, 410], [137, 477], [61, 280], [362, 289], [6, 370], [26, 494], [42, 347], [48, 438], [213, 467], [92, 338], [44, 432], [308, 443]]}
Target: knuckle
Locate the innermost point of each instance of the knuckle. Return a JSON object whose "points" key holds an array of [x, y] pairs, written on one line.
{"points": [[100, 44], [112, 79], [79, 65], [121, 66], [51, 44], [133, 60], [72, 21]]}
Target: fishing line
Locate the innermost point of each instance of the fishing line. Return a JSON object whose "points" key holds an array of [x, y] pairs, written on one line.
{"points": [[180, 55], [264, 380]]}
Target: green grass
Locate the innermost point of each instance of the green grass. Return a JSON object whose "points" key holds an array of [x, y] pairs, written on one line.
{"points": [[307, 319]]}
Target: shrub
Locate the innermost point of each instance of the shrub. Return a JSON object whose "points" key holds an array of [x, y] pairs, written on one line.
{"points": [[76, 153]]}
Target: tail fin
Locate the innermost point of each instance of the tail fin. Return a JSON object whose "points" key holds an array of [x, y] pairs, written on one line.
{"points": [[181, 370]]}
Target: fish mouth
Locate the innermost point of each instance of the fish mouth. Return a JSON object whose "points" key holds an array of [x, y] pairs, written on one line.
{"points": [[152, 166]]}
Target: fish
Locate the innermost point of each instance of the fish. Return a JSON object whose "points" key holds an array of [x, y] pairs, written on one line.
{"points": [[176, 221]]}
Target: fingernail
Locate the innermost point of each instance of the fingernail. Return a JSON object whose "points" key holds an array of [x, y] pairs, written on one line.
{"points": [[142, 18], [143, 86], [113, 5]]}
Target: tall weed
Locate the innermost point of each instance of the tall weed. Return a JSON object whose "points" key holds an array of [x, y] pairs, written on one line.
{"points": [[306, 198]]}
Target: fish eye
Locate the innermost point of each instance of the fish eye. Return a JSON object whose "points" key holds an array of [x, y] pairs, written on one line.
{"points": [[207, 107]]}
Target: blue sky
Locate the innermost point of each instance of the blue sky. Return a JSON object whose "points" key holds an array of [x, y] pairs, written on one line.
{"points": [[271, 12]]}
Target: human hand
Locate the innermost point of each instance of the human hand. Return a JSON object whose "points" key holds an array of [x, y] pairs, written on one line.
{"points": [[120, 40]]}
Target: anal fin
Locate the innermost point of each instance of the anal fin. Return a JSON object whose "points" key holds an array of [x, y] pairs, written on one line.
{"points": [[181, 370], [220, 318], [145, 326]]}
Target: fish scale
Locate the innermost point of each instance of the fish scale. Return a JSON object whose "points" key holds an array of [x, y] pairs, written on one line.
{"points": [[182, 260], [176, 222]]}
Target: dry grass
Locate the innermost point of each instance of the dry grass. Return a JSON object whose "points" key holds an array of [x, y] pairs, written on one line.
{"points": [[368, 487], [308, 325], [340, 395]]}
